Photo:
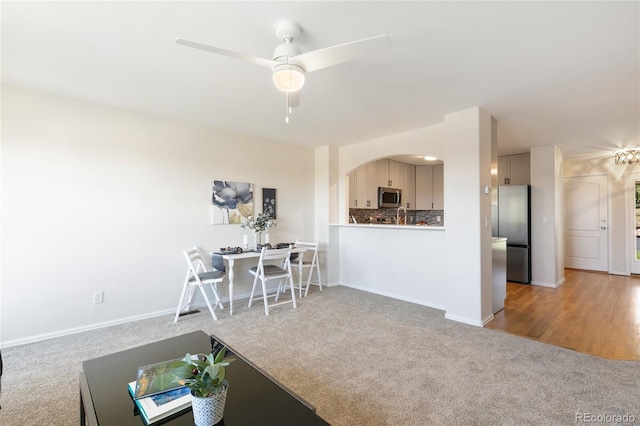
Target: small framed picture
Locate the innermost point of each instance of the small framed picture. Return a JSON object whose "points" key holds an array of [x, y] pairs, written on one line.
{"points": [[269, 202]]}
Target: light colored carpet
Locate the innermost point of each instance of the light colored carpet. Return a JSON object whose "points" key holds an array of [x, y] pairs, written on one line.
{"points": [[361, 359]]}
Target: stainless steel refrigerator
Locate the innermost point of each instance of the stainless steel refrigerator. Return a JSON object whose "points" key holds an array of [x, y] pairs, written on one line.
{"points": [[514, 223]]}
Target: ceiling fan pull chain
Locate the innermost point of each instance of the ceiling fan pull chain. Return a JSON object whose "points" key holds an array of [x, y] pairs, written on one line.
{"points": [[287, 109]]}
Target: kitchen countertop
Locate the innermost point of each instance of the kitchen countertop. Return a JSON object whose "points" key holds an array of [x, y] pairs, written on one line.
{"points": [[389, 226]]}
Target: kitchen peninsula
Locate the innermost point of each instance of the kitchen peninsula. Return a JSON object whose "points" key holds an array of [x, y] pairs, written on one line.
{"points": [[405, 262], [395, 247]]}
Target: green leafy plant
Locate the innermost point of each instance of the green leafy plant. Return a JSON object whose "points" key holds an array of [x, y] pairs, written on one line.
{"points": [[261, 223], [203, 374]]}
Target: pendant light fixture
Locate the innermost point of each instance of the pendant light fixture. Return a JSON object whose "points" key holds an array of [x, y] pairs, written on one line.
{"points": [[629, 156]]}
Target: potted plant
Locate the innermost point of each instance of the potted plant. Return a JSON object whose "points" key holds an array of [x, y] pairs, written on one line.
{"points": [[204, 376], [258, 225]]}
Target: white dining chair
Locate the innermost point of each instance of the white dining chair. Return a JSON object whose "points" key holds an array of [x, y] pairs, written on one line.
{"points": [[198, 276], [307, 259], [266, 272]]}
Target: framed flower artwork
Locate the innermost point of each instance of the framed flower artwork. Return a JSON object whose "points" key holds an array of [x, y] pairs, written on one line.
{"points": [[231, 201]]}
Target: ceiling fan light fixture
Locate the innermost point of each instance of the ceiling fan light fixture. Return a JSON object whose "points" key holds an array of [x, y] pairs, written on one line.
{"points": [[289, 64], [288, 77]]}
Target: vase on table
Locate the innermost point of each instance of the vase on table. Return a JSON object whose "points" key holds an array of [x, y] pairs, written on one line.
{"points": [[257, 239], [210, 410]]}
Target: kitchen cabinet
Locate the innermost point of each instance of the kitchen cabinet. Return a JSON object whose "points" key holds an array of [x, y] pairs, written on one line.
{"points": [[383, 172], [353, 191], [363, 187], [365, 180], [388, 173], [514, 169], [372, 186], [438, 187], [395, 174], [409, 191], [401, 176], [406, 181], [394, 181], [424, 187], [429, 187]]}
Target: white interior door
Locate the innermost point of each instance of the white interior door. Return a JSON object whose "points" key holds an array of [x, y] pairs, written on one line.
{"points": [[586, 223], [633, 202]]}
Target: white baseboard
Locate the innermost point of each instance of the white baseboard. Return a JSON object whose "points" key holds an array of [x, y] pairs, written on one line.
{"points": [[97, 326], [394, 296], [541, 284], [550, 285], [626, 274], [89, 327], [201, 305], [468, 321], [488, 319]]}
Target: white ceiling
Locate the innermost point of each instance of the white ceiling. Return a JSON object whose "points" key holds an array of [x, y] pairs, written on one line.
{"points": [[551, 73]]}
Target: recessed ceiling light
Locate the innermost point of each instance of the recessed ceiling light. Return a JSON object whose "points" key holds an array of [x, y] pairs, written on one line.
{"points": [[428, 158]]}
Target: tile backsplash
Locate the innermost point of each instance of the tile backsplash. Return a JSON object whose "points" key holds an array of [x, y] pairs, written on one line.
{"points": [[429, 217]]}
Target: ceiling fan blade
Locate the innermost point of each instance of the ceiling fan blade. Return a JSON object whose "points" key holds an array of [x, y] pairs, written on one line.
{"points": [[243, 57], [329, 56]]}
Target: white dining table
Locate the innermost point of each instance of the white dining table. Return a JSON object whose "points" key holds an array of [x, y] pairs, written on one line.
{"points": [[231, 260]]}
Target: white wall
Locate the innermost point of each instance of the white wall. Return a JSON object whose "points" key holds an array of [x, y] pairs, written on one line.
{"points": [[547, 242], [468, 216], [471, 157], [406, 263], [103, 199], [326, 193], [559, 214]]}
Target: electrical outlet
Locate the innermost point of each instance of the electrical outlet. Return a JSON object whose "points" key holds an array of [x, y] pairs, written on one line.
{"points": [[393, 275], [98, 297]]}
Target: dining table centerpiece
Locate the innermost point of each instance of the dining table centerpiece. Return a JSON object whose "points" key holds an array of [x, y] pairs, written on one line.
{"points": [[258, 225]]}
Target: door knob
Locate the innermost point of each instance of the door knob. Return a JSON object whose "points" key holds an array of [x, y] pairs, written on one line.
{"points": [[603, 227]]}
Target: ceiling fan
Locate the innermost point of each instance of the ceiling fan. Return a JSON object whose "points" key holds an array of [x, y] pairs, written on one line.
{"points": [[289, 64]]}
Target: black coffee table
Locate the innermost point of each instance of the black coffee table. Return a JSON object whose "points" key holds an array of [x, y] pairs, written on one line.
{"points": [[253, 398]]}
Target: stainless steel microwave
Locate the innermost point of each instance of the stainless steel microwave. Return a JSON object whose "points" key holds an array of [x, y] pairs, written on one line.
{"points": [[389, 197]]}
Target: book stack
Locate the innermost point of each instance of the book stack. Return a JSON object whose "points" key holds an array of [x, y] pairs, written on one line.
{"points": [[156, 394]]}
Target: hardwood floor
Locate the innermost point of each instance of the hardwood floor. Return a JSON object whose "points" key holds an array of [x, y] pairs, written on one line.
{"points": [[591, 312]]}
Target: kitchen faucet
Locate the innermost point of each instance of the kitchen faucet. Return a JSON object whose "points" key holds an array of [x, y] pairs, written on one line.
{"points": [[398, 215]]}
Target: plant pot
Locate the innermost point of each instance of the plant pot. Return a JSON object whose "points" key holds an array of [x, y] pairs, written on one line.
{"points": [[210, 410]]}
